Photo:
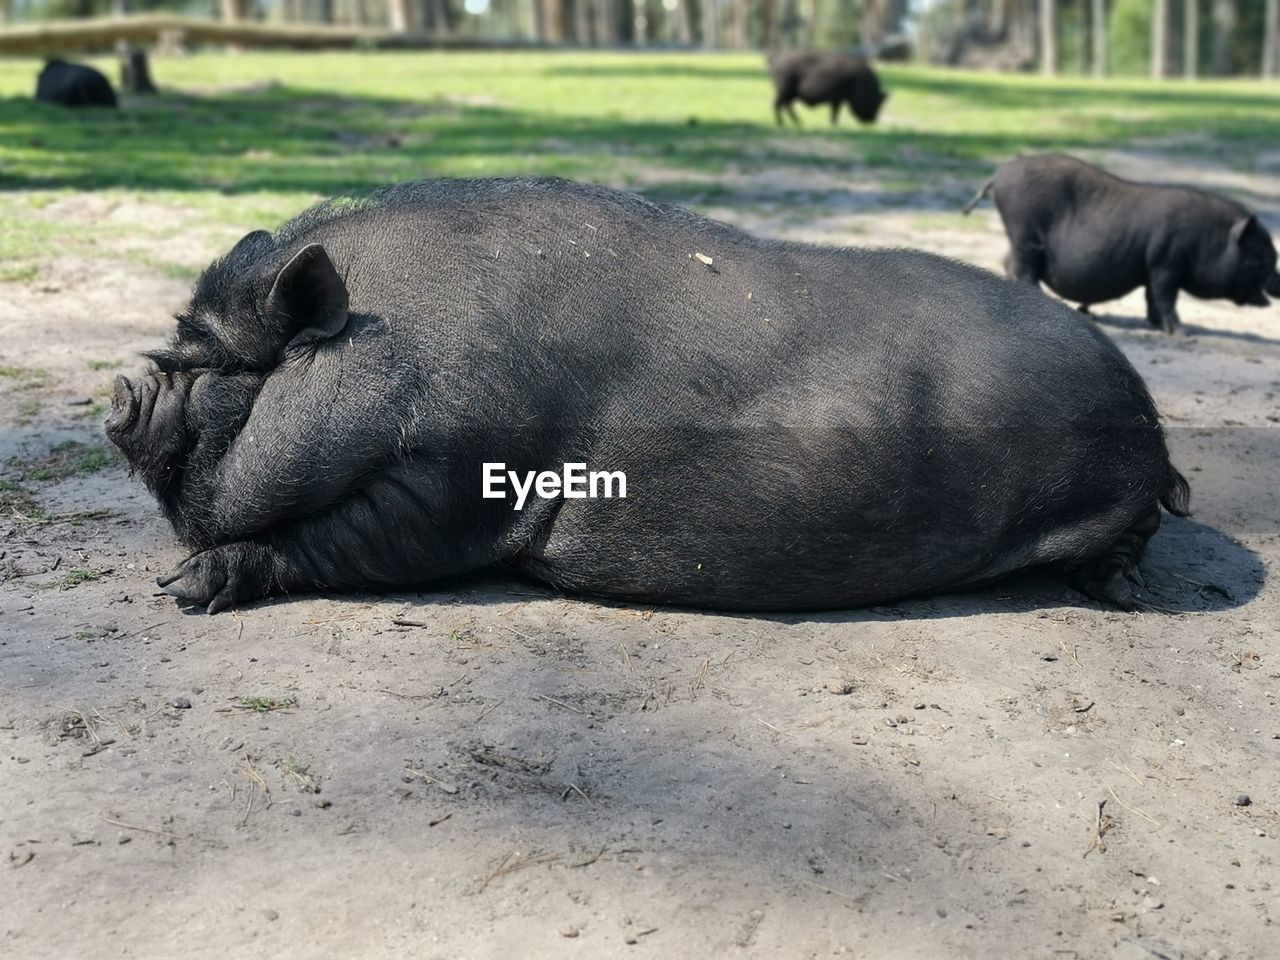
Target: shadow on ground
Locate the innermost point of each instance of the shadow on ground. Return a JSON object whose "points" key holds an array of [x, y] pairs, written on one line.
{"points": [[1190, 329]]}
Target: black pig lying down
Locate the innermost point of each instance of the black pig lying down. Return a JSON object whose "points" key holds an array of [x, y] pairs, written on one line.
{"points": [[833, 78], [74, 85], [800, 427], [1093, 237]]}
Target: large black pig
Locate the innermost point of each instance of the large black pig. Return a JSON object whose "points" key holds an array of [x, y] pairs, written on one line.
{"points": [[1091, 237], [74, 85], [800, 427], [834, 78]]}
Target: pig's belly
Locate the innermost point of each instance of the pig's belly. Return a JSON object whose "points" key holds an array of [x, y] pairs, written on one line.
{"points": [[1080, 272], [796, 549]]}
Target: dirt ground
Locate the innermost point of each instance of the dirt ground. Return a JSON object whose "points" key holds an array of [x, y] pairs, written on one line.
{"points": [[495, 771]]}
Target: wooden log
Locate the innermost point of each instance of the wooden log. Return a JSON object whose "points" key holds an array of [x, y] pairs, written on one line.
{"points": [[62, 36]]}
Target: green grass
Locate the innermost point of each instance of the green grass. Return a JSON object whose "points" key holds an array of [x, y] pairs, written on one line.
{"points": [[24, 378], [240, 142], [267, 704], [69, 459], [75, 578]]}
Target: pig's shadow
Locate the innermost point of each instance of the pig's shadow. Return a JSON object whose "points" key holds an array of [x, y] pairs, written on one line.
{"points": [[1140, 324], [1189, 567]]}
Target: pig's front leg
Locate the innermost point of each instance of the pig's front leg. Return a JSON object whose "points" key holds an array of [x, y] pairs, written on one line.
{"points": [[225, 576], [385, 535], [1162, 301]]}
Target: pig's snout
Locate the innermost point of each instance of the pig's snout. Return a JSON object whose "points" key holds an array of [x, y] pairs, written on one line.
{"points": [[124, 405]]}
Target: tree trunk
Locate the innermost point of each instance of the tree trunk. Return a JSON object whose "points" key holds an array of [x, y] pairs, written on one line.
{"points": [[400, 15], [814, 11], [135, 72], [235, 9], [581, 22], [1191, 38], [557, 20], [769, 11], [1269, 39], [875, 21], [1159, 38], [741, 15], [605, 22], [684, 23], [708, 11], [1049, 37], [1099, 28], [998, 17], [1224, 24]]}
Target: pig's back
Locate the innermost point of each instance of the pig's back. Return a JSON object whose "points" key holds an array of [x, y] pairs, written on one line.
{"points": [[799, 426]]}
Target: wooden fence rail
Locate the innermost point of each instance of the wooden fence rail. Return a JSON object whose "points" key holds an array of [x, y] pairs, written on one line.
{"points": [[65, 36]]}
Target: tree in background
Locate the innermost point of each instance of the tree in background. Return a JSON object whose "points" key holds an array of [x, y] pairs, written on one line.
{"points": [[1270, 40], [1161, 37]]}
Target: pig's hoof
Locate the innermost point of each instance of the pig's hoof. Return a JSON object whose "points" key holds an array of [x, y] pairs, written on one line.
{"points": [[1106, 582], [216, 579]]}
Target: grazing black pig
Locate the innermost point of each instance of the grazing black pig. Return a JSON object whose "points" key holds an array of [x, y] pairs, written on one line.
{"points": [[833, 78], [74, 85], [1091, 237], [800, 427]]}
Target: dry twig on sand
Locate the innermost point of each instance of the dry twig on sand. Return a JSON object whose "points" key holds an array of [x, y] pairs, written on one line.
{"points": [[1100, 828]]}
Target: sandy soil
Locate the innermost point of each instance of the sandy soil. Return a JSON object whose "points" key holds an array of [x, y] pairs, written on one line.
{"points": [[496, 771]]}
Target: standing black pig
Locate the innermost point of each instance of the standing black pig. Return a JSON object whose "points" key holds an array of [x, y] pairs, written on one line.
{"points": [[74, 85], [800, 427], [833, 78], [1093, 237]]}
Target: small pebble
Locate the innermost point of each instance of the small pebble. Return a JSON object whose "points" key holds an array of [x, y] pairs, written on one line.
{"points": [[569, 932], [1242, 800], [295, 812], [920, 706], [180, 703], [269, 915]]}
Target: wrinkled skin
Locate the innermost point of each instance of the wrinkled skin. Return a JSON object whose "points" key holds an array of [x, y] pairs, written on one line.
{"points": [[74, 85], [801, 427], [831, 78], [1091, 237]]}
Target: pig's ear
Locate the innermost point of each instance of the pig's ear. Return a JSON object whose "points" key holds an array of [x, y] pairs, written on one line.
{"points": [[308, 300], [1242, 228]]}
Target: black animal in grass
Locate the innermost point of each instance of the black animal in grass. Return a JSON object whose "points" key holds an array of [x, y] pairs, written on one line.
{"points": [[834, 78], [74, 85], [800, 427], [1091, 237]]}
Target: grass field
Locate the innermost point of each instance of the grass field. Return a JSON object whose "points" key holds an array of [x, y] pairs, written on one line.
{"points": [[246, 140]]}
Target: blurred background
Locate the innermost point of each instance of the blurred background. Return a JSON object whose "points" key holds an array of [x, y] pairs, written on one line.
{"points": [[1075, 37]]}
